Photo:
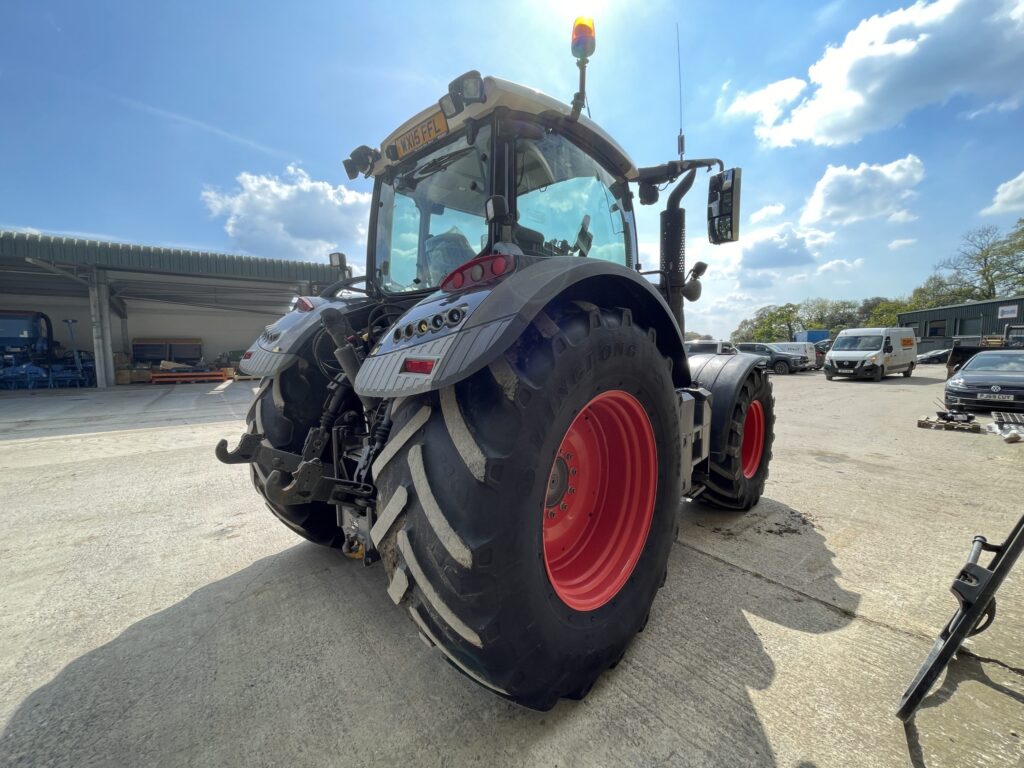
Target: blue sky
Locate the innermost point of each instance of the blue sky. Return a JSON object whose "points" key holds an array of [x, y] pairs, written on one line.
{"points": [[872, 135]]}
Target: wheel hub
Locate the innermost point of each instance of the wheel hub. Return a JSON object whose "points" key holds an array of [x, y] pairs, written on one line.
{"points": [[558, 482], [600, 500]]}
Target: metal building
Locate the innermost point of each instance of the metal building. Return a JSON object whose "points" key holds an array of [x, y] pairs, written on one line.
{"points": [[117, 291], [937, 328]]}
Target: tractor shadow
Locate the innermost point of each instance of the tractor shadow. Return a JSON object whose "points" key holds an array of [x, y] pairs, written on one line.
{"points": [[302, 659]]}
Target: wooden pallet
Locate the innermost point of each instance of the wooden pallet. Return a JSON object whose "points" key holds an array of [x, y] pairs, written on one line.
{"points": [[191, 377], [949, 426], [246, 377]]}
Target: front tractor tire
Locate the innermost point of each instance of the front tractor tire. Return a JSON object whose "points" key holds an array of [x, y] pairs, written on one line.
{"points": [[525, 515], [283, 411], [736, 477]]}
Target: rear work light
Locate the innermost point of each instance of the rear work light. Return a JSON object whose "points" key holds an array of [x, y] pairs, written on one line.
{"points": [[417, 365], [302, 304], [482, 269]]}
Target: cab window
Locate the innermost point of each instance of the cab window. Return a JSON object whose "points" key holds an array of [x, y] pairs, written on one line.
{"points": [[565, 203]]}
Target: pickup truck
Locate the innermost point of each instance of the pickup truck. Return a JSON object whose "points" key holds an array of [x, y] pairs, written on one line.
{"points": [[775, 359]]}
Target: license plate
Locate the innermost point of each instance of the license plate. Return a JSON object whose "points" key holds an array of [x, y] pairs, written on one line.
{"points": [[431, 129], [987, 396]]}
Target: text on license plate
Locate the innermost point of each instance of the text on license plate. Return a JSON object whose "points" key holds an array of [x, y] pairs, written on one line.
{"points": [[434, 127], [987, 396]]}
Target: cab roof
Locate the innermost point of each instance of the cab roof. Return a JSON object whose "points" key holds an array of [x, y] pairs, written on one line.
{"points": [[519, 98]]}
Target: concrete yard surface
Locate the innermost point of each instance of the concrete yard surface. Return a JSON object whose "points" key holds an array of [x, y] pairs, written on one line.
{"points": [[153, 612]]}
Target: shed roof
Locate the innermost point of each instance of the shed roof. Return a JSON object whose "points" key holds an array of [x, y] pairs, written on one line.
{"points": [[128, 257], [1008, 299]]}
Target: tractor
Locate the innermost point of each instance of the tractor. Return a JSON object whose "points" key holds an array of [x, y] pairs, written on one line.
{"points": [[501, 409]]}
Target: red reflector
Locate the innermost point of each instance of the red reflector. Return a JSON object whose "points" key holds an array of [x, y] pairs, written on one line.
{"points": [[247, 355], [413, 365], [303, 304], [499, 266]]}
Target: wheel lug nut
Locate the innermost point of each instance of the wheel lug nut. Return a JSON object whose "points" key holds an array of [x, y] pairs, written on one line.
{"points": [[563, 506], [572, 471], [571, 489]]}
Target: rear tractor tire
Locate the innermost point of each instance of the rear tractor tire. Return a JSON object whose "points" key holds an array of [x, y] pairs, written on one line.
{"points": [[525, 515], [736, 480]]}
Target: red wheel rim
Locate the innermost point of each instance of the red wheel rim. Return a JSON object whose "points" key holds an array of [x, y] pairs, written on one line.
{"points": [[600, 500], [753, 439]]}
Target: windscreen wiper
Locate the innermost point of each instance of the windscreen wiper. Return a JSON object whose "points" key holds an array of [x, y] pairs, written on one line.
{"points": [[435, 165]]}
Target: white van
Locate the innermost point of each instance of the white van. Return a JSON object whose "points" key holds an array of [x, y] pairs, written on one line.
{"points": [[872, 353]]}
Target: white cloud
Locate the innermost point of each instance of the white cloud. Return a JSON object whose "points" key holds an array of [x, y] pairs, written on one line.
{"points": [[890, 65], [901, 216], [1006, 105], [839, 265], [1009, 197], [776, 247], [845, 195], [768, 212], [292, 217], [901, 243]]}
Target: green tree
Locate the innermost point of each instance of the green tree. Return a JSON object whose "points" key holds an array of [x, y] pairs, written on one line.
{"points": [[1011, 259], [831, 314], [884, 313], [938, 291], [770, 323], [978, 264]]}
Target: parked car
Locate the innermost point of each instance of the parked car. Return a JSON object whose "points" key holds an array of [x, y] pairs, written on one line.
{"points": [[823, 346], [872, 353], [935, 357], [775, 359], [992, 379], [804, 348]]}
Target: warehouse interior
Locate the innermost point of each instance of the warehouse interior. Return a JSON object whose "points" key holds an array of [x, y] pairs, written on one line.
{"points": [[110, 295]]}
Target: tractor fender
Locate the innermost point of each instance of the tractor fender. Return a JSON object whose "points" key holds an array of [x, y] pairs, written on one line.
{"points": [[723, 376], [489, 319]]}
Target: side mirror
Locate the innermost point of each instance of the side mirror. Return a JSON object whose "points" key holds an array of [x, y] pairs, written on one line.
{"points": [[496, 209], [724, 206], [341, 261], [888, 349]]}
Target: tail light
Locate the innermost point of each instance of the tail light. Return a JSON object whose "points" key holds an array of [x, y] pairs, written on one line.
{"points": [[302, 304], [482, 269], [418, 365]]}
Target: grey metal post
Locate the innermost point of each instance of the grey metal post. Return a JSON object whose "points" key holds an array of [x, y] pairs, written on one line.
{"points": [[97, 332], [108, 345], [126, 345]]}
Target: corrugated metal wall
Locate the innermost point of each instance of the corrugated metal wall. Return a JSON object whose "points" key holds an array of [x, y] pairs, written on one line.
{"points": [[939, 326]]}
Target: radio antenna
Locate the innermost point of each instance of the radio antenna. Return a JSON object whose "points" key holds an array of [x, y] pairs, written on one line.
{"points": [[680, 141]]}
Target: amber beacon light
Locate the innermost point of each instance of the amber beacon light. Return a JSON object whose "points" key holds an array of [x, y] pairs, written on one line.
{"points": [[583, 37]]}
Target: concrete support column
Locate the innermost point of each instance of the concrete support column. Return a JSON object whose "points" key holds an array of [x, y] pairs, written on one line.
{"points": [[108, 339], [97, 333], [126, 344]]}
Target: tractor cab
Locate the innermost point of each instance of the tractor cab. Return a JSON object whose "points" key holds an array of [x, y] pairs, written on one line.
{"points": [[495, 167], [561, 185]]}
